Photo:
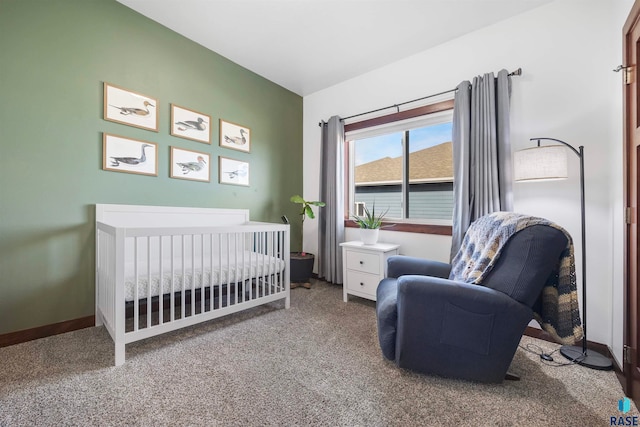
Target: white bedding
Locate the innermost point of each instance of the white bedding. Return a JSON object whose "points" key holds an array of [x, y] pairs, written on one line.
{"points": [[242, 266]]}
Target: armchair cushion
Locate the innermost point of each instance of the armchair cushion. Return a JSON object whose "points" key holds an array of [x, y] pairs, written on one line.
{"points": [[402, 264], [523, 262], [387, 315]]}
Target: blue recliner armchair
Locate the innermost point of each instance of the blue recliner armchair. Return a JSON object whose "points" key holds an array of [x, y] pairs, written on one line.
{"points": [[430, 324]]}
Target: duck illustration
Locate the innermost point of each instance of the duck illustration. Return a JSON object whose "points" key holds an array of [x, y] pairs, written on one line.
{"points": [[241, 140], [191, 124], [192, 166], [135, 111], [115, 161], [242, 172]]}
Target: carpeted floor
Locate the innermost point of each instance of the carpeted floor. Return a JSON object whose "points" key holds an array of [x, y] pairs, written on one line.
{"points": [[317, 363]]}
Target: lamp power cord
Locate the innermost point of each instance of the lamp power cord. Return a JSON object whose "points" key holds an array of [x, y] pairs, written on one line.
{"points": [[547, 358]]}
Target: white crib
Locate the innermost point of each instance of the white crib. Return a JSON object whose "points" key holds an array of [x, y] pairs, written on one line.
{"points": [[163, 268]]}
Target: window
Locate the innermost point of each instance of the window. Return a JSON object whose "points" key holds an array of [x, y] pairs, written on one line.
{"points": [[359, 208], [405, 167]]}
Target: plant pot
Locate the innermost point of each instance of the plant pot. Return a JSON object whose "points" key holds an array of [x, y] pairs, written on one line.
{"points": [[301, 266], [369, 236]]}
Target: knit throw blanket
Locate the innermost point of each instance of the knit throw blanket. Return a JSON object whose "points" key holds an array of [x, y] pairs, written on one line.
{"points": [[558, 313]]}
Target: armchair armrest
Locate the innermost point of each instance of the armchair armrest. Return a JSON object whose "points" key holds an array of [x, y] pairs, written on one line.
{"points": [[457, 329], [400, 265]]}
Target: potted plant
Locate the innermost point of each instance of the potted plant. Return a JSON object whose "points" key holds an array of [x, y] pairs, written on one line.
{"points": [[302, 262], [369, 224]]}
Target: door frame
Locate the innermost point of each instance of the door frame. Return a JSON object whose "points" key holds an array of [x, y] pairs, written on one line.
{"points": [[627, 376]]}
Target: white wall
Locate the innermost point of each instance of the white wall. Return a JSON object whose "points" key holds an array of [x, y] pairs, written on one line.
{"points": [[567, 50]]}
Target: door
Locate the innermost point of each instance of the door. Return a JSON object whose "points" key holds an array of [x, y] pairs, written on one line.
{"points": [[631, 46]]}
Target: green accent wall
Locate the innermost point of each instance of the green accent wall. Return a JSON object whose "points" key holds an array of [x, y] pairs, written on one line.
{"points": [[54, 57]]}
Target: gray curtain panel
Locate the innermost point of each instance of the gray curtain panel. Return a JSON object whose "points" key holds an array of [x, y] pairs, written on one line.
{"points": [[331, 217], [481, 151]]}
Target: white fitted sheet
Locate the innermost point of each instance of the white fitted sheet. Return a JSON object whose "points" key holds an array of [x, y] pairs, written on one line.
{"points": [[239, 267]]}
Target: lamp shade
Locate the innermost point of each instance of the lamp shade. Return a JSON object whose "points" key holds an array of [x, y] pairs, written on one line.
{"points": [[540, 163]]}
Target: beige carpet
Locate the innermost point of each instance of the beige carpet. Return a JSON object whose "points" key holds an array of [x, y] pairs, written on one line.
{"points": [[317, 363]]}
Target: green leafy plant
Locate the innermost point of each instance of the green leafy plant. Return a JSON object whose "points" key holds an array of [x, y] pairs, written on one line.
{"points": [[306, 211], [306, 206], [370, 219]]}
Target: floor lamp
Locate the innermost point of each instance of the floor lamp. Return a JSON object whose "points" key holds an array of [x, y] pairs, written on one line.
{"points": [[547, 163]]}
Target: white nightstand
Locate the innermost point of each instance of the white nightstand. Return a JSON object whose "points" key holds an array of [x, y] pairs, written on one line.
{"points": [[364, 266]]}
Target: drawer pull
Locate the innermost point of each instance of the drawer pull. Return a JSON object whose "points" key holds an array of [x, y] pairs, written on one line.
{"points": [[361, 284], [361, 262]]}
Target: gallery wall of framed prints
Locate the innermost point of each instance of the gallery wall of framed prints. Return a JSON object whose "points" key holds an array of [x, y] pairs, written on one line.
{"points": [[121, 153]]}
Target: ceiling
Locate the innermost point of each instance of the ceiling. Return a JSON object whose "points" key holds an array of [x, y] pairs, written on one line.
{"points": [[308, 45]]}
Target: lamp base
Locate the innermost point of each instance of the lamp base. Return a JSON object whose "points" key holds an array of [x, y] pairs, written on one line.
{"points": [[591, 359]]}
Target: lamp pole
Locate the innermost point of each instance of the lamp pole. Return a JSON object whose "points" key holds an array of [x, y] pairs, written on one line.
{"points": [[582, 355]]}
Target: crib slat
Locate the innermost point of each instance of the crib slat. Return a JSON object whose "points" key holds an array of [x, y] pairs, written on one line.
{"points": [[280, 255], [263, 260], [256, 250], [245, 278], [264, 264], [219, 270], [173, 275], [265, 249], [136, 311], [251, 240], [272, 255], [161, 284], [268, 261], [276, 243], [148, 281], [193, 274], [182, 298], [234, 248], [202, 285], [235, 263], [228, 270], [211, 280], [274, 262]]}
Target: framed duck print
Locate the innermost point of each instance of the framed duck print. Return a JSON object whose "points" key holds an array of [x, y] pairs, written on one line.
{"points": [[231, 171], [189, 164], [130, 108], [190, 124], [121, 154], [234, 136]]}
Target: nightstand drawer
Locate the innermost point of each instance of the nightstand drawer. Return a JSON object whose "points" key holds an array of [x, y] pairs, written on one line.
{"points": [[367, 263], [363, 267], [362, 283]]}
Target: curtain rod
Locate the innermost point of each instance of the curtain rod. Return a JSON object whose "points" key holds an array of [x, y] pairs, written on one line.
{"points": [[517, 72]]}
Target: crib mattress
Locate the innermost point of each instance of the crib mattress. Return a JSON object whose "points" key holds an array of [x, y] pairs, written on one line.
{"points": [[249, 265]]}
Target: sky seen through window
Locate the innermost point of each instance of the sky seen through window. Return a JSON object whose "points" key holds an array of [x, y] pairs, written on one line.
{"points": [[390, 145]]}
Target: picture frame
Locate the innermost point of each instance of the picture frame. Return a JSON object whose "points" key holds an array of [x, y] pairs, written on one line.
{"points": [[123, 154], [235, 136], [190, 124], [232, 171], [190, 164], [130, 108]]}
